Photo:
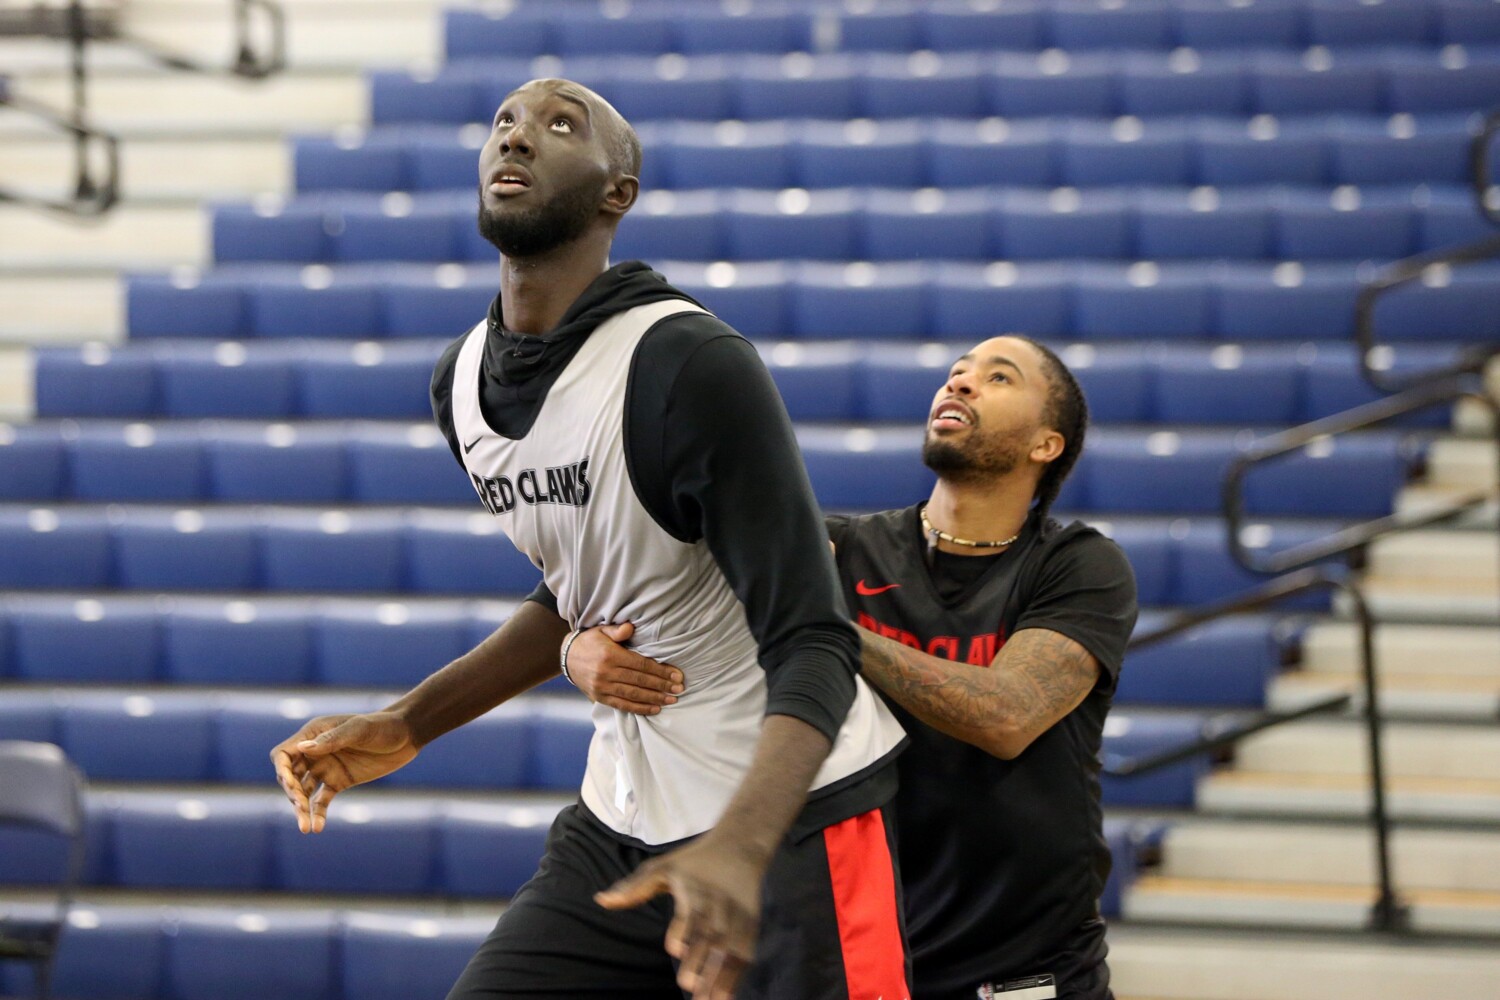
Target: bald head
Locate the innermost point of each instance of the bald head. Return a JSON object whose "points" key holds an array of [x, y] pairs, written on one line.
{"points": [[618, 139]]}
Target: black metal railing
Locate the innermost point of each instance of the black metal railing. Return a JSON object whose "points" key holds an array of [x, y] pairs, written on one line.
{"points": [[259, 44], [1388, 912]]}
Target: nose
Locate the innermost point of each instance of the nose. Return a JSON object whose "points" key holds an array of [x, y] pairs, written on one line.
{"points": [[960, 384], [517, 139]]}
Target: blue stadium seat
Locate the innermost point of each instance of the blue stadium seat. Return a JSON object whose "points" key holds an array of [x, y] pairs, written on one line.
{"points": [[1119, 381], [1359, 22], [392, 644], [1132, 734], [464, 553], [157, 549], [332, 550], [270, 230], [862, 300], [1467, 21], [672, 88], [762, 225], [443, 158], [752, 298], [494, 751], [1284, 301], [786, 86], [398, 228], [816, 381], [41, 547], [262, 642], [396, 463], [84, 639], [388, 847], [1142, 300], [350, 161], [1184, 83], [1350, 223], [1206, 571], [1335, 384], [711, 30], [1447, 80], [1447, 217], [373, 380], [1263, 150], [423, 303], [237, 955], [993, 151], [1229, 662], [860, 152], [1217, 24], [226, 380], [186, 304], [1125, 151], [1227, 384], [669, 225], [218, 840], [249, 724], [972, 301], [124, 736], [929, 224], [106, 953], [877, 28], [1149, 547], [112, 461], [1315, 81], [730, 154], [1202, 223], [1401, 150], [949, 25], [923, 85], [33, 462], [278, 463], [1156, 471], [1066, 222], [491, 849], [899, 381], [1445, 304], [581, 31], [399, 98], [1054, 83], [864, 469], [561, 731], [30, 714], [316, 301], [95, 380], [496, 32], [1353, 476], [389, 957], [35, 856], [1089, 24]]}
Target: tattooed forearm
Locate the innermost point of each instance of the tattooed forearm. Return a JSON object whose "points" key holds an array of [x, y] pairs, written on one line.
{"points": [[1039, 677]]}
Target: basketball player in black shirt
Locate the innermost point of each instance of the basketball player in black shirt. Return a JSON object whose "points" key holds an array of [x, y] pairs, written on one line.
{"points": [[998, 634]]}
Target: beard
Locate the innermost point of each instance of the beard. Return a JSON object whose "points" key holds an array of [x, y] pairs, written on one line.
{"points": [[973, 460], [531, 232]]}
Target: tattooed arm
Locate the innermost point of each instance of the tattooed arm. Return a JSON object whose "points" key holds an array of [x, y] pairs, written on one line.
{"points": [[1039, 677]]}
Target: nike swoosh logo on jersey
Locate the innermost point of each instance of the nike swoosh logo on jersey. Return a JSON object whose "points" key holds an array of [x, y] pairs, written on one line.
{"points": [[470, 446], [863, 589]]}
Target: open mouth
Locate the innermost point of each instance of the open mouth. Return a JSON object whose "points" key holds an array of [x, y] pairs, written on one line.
{"points": [[952, 414], [509, 180]]}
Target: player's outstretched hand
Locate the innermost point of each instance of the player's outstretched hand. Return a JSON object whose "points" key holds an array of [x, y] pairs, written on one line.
{"points": [[610, 674], [715, 891], [335, 752]]}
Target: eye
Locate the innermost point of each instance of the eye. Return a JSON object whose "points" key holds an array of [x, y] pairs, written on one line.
{"points": [[999, 377], [504, 118], [562, 125]]}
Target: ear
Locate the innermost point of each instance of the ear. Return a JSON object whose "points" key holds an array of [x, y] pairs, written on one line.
{"points": [[1047, 447], [620, 195]]}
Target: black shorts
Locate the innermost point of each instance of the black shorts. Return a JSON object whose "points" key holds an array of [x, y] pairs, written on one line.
{"points": [[831, 924]]}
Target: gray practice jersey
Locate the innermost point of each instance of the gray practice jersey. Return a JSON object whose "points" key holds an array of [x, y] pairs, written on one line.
{"points": [[564, 496]]}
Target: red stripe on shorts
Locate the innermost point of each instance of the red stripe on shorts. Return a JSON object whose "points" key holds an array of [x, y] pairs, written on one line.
{"points": [[864, 900]]}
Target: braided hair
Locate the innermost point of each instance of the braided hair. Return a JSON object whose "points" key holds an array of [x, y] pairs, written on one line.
{"points": [[1067, 413]]}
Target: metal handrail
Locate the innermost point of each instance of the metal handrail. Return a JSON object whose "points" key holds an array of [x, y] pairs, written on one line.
{"points": [[249, 61], [1450, 388], [1389, 912]]}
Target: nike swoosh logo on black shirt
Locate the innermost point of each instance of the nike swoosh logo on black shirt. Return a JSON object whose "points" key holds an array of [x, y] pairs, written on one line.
{"points": [[865, 590]]}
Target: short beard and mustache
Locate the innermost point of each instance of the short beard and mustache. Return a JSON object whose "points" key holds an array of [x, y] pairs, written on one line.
{"points": [[975, 459], [540, 229]]}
